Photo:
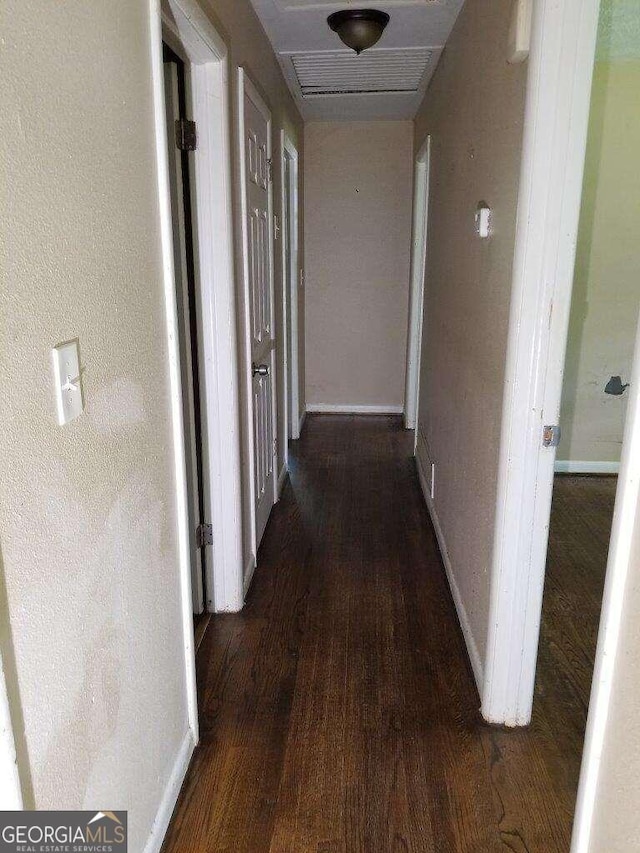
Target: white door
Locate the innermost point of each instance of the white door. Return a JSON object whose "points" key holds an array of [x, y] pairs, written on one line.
{"points": [[260, 302], [182, 249]]}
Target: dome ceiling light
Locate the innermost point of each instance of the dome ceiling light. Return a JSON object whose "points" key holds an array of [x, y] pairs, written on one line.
{"points": [[359, 29]]}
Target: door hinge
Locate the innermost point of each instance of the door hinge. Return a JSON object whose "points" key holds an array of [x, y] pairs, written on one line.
{"points": [[275, 446], [186, 134], [270, 169], [204, 535], [551, 436]]}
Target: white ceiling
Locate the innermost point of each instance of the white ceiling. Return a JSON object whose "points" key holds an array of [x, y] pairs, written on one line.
{"points": [[312, 55]]}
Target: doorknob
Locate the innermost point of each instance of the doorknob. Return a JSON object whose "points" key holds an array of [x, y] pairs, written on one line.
{"points": [[260, 369]]}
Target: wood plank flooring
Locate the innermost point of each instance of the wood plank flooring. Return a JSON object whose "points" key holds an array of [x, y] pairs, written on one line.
{"points": [[338, 710]]}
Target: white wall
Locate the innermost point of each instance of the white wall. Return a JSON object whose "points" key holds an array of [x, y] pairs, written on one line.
{"points": [[606, 295], [474, 111], [88, 525], [358, 190]]}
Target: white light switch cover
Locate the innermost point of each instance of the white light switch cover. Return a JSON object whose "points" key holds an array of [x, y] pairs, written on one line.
{"points": [[68, 381]]}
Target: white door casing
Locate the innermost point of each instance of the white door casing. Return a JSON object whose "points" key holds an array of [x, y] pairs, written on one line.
{"points": [[290, 265], [416, 292], [176, 185], [259, 313]]}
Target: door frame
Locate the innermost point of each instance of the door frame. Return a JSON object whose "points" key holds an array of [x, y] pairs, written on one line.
{"points": [[246, 87], [419, 240], [557, 107], [608, 649], [291, 385], [183, 24]]}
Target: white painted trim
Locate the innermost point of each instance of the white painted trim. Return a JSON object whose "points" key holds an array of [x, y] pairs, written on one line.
{"points": [[175, 389], [10, 790], [187, 28], [303, 417], [463, 618], [290, 295], [616, 585], [577, 466], [556, 121], [352, 409], [170, 795], [282, 477], [417, 281], [248, 574], [246, 87]]}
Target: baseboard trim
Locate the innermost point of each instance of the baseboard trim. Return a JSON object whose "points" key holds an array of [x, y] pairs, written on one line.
{"points": [[284, 471], [352, 409], [171, 794], [571, 466], [463, 619], [248, 575], [301, 424]]}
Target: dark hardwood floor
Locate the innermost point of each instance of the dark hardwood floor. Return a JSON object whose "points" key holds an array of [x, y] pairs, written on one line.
{"points": [[338, 710]]}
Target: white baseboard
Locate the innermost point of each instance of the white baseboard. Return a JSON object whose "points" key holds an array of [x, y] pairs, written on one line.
{"points": [[571, 466], [281, 479], [465, 625], [349, 409], [248, 575], [170, 796], [301, 424]]}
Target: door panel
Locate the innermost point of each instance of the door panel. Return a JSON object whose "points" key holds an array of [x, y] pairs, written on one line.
{"points": [[260, 309]]}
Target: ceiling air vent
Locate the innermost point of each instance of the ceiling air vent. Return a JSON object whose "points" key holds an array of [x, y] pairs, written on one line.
{"points": [[342, 72]]}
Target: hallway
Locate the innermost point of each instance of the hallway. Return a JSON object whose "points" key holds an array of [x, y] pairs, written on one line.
{"points": [[338, 710]]}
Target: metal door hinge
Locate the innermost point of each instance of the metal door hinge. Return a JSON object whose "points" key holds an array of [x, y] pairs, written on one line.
{"points": [[551, 436], [275, 446], [204, 535], [186, 134], [270, 169]]}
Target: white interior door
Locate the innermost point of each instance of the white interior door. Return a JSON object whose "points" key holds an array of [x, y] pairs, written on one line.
{"points": [[180, 249], [260, 302]]}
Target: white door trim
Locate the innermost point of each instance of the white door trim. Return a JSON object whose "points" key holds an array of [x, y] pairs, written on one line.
{"points": [[208, 69], [246, 87], [184, 22], [416, 292], [11, 795], [556, 121], [608, 650], [290, 295]]}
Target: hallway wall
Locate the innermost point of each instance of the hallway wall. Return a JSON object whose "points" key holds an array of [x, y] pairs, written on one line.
{"points": [[474, 110], [358, 184], [88, 518]]}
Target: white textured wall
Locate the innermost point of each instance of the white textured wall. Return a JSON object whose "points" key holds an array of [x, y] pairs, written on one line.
{"points": [[474, 110], [87, 515], [358, 188]]}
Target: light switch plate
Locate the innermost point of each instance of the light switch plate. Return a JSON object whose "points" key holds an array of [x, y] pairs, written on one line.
{"points": [[68, 381]]}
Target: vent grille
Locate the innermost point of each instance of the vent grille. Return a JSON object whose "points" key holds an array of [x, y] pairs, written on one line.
{"points": [[342, 72]]}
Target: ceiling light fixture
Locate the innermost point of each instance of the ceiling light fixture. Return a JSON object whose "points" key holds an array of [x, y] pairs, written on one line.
{"points": [[359, 29]]}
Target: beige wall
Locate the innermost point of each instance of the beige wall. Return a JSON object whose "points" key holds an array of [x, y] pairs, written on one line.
{"points": [[358, 184], [87, 517], [474, 111], [606, 296]]}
